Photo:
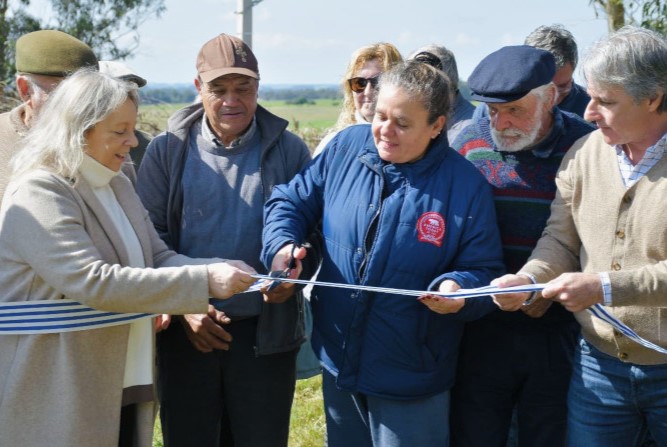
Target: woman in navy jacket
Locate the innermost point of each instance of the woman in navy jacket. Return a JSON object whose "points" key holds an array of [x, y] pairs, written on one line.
{"points": [[398, 208]]}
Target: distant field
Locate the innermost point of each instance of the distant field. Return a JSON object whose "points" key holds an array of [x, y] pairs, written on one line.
{"points": [[310, 121], [320, 115]]}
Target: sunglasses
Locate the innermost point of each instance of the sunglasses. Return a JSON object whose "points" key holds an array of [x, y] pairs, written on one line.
{"points": [[358, 85], [430, 59]]}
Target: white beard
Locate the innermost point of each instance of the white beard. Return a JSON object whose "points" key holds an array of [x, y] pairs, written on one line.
{"points": [[524, 140]]}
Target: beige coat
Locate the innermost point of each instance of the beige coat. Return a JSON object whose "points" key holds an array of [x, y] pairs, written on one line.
{"points": [[11, 131], [57, 241], [597, 225]]}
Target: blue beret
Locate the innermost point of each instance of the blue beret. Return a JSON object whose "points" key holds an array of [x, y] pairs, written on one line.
{"points": [[511, 73]]}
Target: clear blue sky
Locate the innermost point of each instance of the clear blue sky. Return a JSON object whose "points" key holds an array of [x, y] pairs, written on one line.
{"points": [[310, 41]]}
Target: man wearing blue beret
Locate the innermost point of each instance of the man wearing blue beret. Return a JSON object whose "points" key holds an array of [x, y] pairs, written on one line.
{"points": [[517, 359]]}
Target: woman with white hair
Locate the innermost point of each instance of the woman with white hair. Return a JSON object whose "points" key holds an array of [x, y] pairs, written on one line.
{"points": [[72, 228]]}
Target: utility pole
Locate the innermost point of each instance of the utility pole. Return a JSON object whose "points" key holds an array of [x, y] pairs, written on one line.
{"points": [[244, 20]]}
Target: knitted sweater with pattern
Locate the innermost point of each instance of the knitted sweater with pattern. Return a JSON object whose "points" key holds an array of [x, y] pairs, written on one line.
{"points": [[523, 184]]}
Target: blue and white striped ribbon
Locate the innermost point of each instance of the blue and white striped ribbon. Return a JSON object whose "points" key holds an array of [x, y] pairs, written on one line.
{"points": [[54, 316], [597, 310], [459, 294]]}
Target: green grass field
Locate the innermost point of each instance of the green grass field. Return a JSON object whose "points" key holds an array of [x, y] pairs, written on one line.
{"points": [[307, 426], [310, 121]]}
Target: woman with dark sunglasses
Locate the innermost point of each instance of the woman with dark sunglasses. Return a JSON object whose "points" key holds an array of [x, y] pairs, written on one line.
{"points": [[359, 86]]}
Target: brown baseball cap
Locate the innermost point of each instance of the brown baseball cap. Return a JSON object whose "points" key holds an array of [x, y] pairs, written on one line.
{"points": [[225, 55]]}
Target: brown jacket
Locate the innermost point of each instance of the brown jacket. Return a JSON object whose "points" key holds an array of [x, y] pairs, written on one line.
{"points": [[597, 225], [57, 241]]}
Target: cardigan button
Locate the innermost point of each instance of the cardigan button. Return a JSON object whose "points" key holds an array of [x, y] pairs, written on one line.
{"points": [[627, 199], [623, 356], [620, 234], [616, 266]]}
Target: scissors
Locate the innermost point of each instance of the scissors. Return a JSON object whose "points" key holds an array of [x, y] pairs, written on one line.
{"points": [[290, 266]]}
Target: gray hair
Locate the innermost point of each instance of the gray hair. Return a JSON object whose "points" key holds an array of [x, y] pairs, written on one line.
{"points": [[423, 83], [447, 61], [57, 139], [556, 40], [632, 58], [33, 86], [545, 92]]}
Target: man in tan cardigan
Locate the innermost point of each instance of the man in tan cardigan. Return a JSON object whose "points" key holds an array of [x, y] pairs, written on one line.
{"points": [[606, 243], [43, 59]]}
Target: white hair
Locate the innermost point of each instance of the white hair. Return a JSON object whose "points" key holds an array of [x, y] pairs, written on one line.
{"points": [[57, 139]]}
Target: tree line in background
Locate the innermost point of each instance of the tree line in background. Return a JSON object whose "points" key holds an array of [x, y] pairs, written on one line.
{"points": [[298, 95], [109, 27]]}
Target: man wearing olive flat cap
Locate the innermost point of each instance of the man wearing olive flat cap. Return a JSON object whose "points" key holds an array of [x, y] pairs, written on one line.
{"points": [[520, 358], [43, 59]]}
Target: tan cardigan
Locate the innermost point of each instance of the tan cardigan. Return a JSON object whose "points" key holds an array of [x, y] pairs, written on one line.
{"points": [[597, 225], [57, 241]]}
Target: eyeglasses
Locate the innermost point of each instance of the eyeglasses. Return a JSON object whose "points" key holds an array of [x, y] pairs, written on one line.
{"points": [[358, 85], [429, 58]]}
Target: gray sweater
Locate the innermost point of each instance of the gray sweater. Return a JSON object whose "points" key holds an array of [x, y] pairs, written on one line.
{"points": [[160, 186]]}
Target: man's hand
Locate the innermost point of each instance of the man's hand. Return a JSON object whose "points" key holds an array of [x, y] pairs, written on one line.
{"points": [[281, 262], [441, 304], [575, 291], [537, 308], [511, 301], [229, 278], [161, 322], [204, 330]]}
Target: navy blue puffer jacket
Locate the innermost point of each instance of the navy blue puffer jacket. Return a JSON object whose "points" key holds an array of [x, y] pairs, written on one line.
{"points": [[404, 226]]}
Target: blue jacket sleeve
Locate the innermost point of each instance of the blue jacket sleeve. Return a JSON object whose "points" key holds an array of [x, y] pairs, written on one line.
{"points": [[480, 257], [294, 210]]}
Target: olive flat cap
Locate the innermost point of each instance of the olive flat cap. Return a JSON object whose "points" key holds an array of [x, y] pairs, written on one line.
{"points": [[511, 73], [52, 53]]}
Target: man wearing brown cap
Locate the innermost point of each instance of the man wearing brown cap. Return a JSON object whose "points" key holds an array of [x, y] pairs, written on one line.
{"points": [[43, 59], [204, 182], [516, 359]]}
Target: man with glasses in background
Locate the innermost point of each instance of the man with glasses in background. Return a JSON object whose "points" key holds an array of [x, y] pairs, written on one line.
{"points": [[561, 44]]}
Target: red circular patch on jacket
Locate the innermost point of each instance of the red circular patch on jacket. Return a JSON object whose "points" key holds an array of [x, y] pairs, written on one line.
{"points": [[431, 228]]}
